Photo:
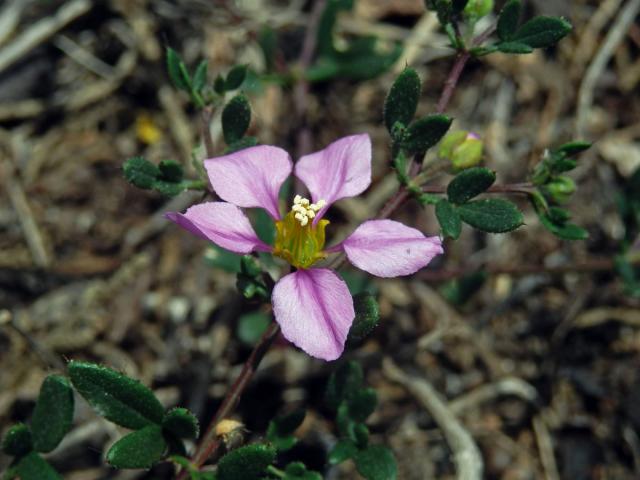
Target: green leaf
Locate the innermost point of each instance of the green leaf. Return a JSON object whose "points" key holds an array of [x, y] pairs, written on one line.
{"points": [[218, 84], [470, 183], [53, 414], [236, 117], [367, 316], [140, 172], [509, 19], [361, 435], [169, 189], [217, 257], [376, 463], [514, 47], [448, 219], [33, 467], [181, 423], [341, 451], [573, 148], [251, 326], [280, 429], [343, 384], [268, 41], [246, 463], [563, 229], [235, 77], [171, 171], [458, 291], [362, 404], [493, 215], [298, 471], [115, 396], [244, 142], [200, 76], [542, 31], [425, 133], [177, 70], [402, 100], [17, 441], [140, 449]]}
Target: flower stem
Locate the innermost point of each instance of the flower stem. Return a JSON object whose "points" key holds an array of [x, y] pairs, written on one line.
{"points": [[210, 441]]}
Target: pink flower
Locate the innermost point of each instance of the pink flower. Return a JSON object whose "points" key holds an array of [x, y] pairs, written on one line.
{"points": [[312, 305]]}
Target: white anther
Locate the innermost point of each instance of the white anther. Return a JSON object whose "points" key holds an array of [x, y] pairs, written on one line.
{"points": [[305, 210]]}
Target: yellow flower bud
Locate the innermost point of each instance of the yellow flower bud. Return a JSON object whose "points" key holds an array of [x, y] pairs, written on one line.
{"points": [[463, 149]]}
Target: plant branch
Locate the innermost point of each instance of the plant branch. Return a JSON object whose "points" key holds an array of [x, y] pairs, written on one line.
{"points": [[513, 188], [206, 115], [210, 441]]}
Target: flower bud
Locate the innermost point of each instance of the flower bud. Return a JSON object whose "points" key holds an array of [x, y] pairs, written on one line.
{"points": [[561, 188], [477, 9], [463, 149]]}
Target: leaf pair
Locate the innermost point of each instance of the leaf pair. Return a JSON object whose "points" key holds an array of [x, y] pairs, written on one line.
{"points": [[360, 60], [51, 421], [399, 109], [353, 404], [166, 177], [126, 402], [539, 32], [493, 215]]}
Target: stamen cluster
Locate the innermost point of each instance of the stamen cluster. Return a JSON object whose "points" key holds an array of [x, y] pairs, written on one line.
{"points": [[304, 210]]}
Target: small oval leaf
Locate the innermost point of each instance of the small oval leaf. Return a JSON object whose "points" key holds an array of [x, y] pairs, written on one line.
{"points": [[376, 463], [493, 215], [140, 449], [53, 414], [425, 133], [236, 118], [177, 70], [181, 423], [448, 219], [236, 77], [509, 19], [343, 384], [247, 463], [17, 441], [402, 100], [542, 31], [115, 396], [470, 183], [367, 316], [33, 467]]}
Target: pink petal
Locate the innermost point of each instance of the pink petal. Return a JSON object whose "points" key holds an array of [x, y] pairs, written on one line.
{"points": [[251, 177], [222, 223], [341, 170], [315, 310], [388, 249]]}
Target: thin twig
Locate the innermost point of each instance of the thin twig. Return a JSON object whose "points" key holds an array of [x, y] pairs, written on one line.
{"points": [[210, 440], [600, 61], [20, 203], [465, 451], [41, 31], [514, 188]]}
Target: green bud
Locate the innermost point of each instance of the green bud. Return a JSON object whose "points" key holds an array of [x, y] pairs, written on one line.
{"points": [[463, 149], [478, 8], [561, 188], [250, 267]]}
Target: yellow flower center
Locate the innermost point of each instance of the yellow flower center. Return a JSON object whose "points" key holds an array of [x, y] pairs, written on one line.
{"points": [[298, 240]]}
